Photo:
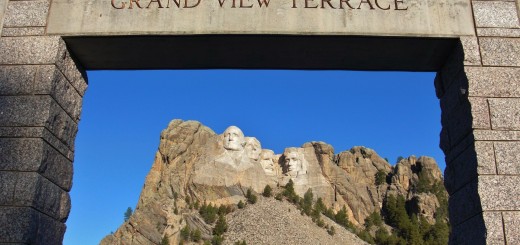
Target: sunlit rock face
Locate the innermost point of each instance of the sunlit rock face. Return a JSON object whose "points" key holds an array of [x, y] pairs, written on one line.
{"points": [[231, 161], [233, 139], [194, 164], [253, 148]]}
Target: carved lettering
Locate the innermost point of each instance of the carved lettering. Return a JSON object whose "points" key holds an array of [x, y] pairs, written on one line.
{"points": [[379, 6], [307, 4], [354, 5], [192, 6], [177, 2], [365, 1], [136, 3], [397, 3], [326, 1], [121, 7], [266, 2], [245, 6], [345, 1], [155, 1]]}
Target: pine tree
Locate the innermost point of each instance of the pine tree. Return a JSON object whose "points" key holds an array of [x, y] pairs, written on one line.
{"points": [[217, 240], [267, 191], [165, 241], [196, 235], [221, 226], [251, 198], [320, 206], [380, 177], [307, 202], [185, 233], [290, 193], [241, 204], [128, 213], [342, 218]]}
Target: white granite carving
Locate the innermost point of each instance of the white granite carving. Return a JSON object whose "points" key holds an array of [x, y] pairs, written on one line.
{"points": [[253, 148], [233, 139]]}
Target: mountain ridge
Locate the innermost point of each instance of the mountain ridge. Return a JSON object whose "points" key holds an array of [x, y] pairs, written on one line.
{"points": [[193, 163]]}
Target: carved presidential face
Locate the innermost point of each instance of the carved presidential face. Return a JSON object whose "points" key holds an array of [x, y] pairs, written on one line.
{"points": [[253, 148], [293, 162], [233, 139], [266, 160]]}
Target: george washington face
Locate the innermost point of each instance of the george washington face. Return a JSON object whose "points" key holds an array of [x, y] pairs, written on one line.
{"points": [[233, 139]]}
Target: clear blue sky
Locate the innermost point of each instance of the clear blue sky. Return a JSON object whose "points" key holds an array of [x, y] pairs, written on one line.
{"points": [[394, 113]]}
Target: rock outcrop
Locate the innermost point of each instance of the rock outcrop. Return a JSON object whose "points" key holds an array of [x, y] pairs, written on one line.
{"points": [[196, 165]]}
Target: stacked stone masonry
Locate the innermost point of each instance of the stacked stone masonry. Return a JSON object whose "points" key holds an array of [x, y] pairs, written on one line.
{"points": [[483, 171], [41, 90]]}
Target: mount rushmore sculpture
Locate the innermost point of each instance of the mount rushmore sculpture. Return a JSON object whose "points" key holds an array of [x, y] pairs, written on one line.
{"points": [[195, 165], [232, 159]]}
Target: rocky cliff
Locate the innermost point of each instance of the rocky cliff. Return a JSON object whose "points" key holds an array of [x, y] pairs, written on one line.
{"points": [[194, 165]]}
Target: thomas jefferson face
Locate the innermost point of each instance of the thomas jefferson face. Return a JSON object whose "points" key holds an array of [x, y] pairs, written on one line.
{"points": [[253, 148], [233, 139], [266, 160]]}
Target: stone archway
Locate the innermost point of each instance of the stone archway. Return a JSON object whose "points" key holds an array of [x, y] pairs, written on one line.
{"points": [[473, 45]]}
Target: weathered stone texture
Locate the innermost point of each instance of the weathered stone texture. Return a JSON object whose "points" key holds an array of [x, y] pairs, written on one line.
{"points": [[496, 135], [28, 226], [512, 227], [480, 112], [29, 50], [29, 189], [464, 204], [471, 50], [508, 157], [38, 111], [497, 192], [44, 79], [34, 154], [495, 14], [500, 51], [3, 6], [498, 32], [38, 132], [458, 123], [72, 70], [485, 157], [457, 172], [472, 231], [16, 80], [23, 31], [494, 230], [493, 81], [505, 113], [26, 13], [50, 80], [439, 17]]}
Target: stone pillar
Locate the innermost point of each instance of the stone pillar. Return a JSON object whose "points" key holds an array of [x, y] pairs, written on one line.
{"points": [[41, 90], [479, 89]]}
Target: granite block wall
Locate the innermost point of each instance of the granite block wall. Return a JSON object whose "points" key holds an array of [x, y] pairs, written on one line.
{"points": [[41, 90], [480, 101]]}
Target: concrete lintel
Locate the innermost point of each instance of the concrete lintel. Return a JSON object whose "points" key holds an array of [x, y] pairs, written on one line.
{"points": [[261, 52]]}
